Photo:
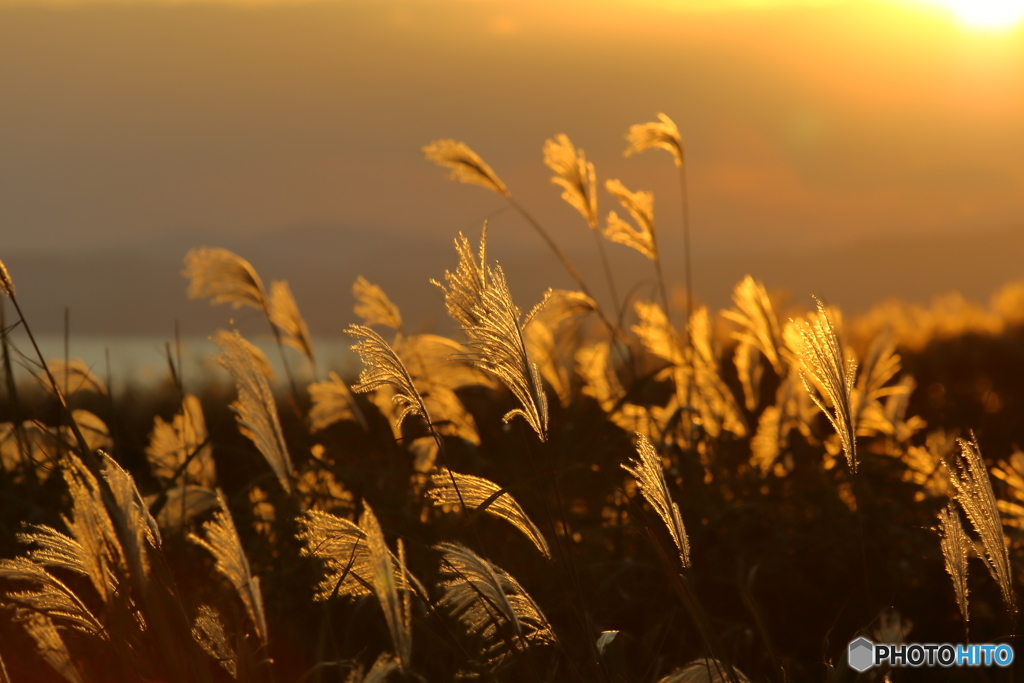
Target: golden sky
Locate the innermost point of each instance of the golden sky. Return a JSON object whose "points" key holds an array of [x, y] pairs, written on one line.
{"points": [[809, 125]]}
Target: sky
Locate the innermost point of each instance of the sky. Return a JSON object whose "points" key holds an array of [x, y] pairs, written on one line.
{"points": [[852, 150]]}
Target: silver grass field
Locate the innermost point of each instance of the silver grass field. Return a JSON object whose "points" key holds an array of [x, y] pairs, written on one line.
{"points": [[629, 491]]}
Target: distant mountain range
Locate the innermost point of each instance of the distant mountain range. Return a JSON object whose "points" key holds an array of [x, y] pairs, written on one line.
{"points": [[138, 289]]}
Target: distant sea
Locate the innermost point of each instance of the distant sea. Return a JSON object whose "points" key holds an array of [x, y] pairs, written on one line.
{"points": [[124, 361]]}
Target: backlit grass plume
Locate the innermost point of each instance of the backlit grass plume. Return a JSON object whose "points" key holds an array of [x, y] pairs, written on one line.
{"points": [[383, 368], [6, 283], [713, 398], [135, 527], [498, 346], [73, 376], [662, 134], [183, 439], [821, 357], [284, 314], [98, 547], [955, 545], [465, 287], [640, 206], [974, 493], [466, 166], [647, 470], [50, 646], [437, 360], [374, 306], [341, 545], [575, 175], [332, 402], [221, 539], [383, 578], [759, 334], [50, 597], [477, 491], [208, 631], [1012, 474], [224, 278], [109, 541], [254, 408], [758, 323], [491, 605], [477, 296]]}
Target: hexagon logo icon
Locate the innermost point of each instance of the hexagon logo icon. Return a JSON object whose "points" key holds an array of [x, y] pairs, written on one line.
{"points": [[862, 654]]}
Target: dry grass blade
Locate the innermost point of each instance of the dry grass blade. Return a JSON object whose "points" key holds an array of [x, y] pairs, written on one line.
{"points": [[706, 670], [208, 631], [382, 577], [821, 356], [224, 278], [756, 317], [284, 314], [332, 402], [647, 471], [466, 166], [172, 443], [383, 368], [6, 283], [641, 206], [374, 306], [955, 544], [72, 376], [226, 547], [475, 492], [51, 647], [255, 409], [975, 495], [662, 134], [490, 604], [575, 175]]}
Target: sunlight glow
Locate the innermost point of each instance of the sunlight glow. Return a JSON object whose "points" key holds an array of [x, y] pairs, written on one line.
{"points": [[991, 14]]}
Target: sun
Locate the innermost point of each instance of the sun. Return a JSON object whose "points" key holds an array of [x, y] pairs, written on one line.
{"points": [[988, 14]]}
